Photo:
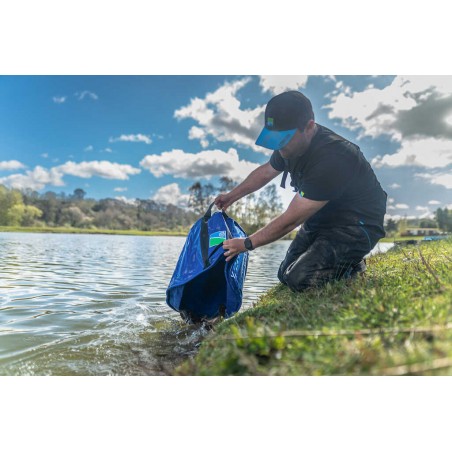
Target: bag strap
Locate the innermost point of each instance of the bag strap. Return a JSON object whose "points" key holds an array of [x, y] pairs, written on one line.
{"points": [[286, 170], [204, 236], [226, 217]]}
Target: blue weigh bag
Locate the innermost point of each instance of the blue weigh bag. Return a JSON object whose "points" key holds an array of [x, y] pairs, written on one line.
{"points": [[204, 286]]}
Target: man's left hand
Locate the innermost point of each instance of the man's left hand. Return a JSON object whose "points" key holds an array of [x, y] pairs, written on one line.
{"points": [[233, 247]]}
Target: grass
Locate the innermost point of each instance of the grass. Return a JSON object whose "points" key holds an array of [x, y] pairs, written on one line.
{"points": [[394, 320], [398, 238], [70, 230]]}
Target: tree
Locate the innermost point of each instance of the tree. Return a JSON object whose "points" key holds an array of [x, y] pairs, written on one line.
{"points": [[235, 210], [402, 225], [444, 219], [271, 201], [79, 194], [427, 223], [11, 207], [29, 215], [72, 216], [391, 226], [200, 197]]}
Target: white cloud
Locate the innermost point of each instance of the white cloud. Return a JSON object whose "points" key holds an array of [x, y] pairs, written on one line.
{"points": [[59, 100], [204, 164], [444, 179], [425, 152], [104, 169], [133, 138], [411, 106], [171, 194], [39, 177], [433, 202], [89, 148], [36, 179], [120, 189], [429, 215], [402, 206], [11, 165], [426, 213], [196, 133], [220, 116], [414, 111], [395, 185], [277, 84], [132, 201], [399, 217], [81, 95]]}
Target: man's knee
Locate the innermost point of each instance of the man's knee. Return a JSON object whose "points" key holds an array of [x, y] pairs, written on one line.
{"points": [[296, 279]]}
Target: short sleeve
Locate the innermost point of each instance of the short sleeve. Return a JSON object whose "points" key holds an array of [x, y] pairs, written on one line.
{"points": [[277, 162], [329, 177]]}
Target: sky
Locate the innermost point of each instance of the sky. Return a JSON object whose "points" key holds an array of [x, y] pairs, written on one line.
{"points": [[152, 137]]}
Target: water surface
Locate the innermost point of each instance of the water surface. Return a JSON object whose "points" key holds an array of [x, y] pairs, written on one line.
{"points": [[95, 304]]}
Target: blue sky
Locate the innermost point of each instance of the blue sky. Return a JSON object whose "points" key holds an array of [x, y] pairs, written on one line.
{"points": [[153, 136]]}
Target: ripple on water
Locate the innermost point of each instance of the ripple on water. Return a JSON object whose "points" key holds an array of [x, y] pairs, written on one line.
{"points": [[95, 305]]}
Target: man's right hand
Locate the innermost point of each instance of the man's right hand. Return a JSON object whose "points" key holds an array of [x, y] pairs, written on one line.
{"points": [[223, 201]]}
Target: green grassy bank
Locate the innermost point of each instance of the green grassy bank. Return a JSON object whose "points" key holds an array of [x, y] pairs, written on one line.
{"points": [[394, 320], [89, 231]]}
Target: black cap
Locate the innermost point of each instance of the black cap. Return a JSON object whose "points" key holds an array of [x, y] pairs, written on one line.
{"points": [[284, 114], [289, 110]]}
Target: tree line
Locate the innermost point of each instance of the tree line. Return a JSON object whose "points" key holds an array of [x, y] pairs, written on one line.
{"points": [[442, 220], [252, 212], [29, 208], [32, 209]]}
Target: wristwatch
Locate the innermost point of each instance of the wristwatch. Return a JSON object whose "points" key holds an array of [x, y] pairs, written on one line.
{"points": [[248, 244]]}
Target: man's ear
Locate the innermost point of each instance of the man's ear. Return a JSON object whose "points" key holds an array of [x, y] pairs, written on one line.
{"points": [[310, 125]]}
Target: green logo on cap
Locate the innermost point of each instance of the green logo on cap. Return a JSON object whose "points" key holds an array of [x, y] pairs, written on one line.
{"points": [[269, 122]]}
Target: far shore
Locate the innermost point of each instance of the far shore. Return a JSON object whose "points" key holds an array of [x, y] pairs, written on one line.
{"points": [[51, 230], [157, 232]]}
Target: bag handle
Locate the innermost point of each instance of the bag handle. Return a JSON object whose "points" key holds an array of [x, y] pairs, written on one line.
{"points": [[208, 213]]}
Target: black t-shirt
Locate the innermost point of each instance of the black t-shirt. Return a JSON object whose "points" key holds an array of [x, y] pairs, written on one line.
{"points": [[334, 169]]}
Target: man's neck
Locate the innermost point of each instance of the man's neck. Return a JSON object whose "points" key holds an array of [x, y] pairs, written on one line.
{"points": [[309, 145]]}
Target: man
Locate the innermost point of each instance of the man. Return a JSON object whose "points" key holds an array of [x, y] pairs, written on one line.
{"points": [[338, 199]]}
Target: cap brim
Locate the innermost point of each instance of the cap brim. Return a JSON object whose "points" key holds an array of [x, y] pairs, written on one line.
{"points": [[274, 139]]}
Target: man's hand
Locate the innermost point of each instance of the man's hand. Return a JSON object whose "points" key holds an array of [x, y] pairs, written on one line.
{"points": [[223, 201], [233, 247]]}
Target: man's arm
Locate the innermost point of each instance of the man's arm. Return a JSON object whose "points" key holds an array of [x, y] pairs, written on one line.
{"points": [[299, 210], [256, 179]]}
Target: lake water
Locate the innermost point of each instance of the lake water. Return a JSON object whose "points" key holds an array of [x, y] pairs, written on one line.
{"points": [[95, 304]]}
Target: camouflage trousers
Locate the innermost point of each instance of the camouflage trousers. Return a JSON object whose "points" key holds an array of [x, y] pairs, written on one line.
{"points": [[314, 258]]}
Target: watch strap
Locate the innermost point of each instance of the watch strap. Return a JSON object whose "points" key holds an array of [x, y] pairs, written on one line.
{"points": [[249, 244]]}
